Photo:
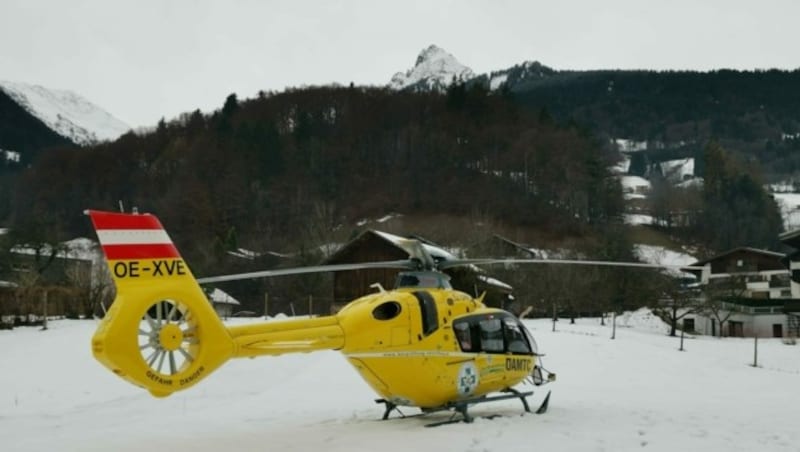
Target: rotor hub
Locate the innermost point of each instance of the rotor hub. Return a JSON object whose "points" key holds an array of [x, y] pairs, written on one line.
{"points": [[170, 337]]}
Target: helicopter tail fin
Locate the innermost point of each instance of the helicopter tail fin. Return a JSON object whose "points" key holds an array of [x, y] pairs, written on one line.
{"points": [[161, 332]]}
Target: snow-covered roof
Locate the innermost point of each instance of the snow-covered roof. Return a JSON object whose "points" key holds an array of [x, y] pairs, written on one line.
{"points": [[10, 156], [244, 254], [382, 219], [746, 249], [677, 170], [626, 145], [434, 251], [79, 249], [221, 297], [632, 183]]}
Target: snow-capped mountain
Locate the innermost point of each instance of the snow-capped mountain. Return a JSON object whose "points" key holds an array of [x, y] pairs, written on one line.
{"points": [[435, 69], [66, 113]]}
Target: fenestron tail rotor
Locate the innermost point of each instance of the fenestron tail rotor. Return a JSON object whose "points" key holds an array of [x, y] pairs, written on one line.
{"points": [[168, 339]]}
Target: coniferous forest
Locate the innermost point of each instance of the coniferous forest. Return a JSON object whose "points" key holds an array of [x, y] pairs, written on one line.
{"points": [[296, 170], [259, 168]]}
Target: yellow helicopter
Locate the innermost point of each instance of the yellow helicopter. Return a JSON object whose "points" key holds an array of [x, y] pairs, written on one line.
{"points": [[422, 344]]}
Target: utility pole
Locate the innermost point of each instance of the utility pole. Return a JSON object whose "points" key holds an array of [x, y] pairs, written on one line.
{"points": [[614, 325], [266, 305], [310, 306], [44, 309], [755, 351]]}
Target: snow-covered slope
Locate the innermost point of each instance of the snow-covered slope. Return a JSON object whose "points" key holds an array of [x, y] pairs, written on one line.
{"points": [[526, 73], [434, 70], [66, 113]]}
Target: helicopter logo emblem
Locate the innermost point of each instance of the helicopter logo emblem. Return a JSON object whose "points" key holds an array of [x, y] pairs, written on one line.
{"points": [[467, 379]]}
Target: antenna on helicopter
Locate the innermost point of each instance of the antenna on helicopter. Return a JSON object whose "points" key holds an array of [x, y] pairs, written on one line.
{"points": [[377, 286]]}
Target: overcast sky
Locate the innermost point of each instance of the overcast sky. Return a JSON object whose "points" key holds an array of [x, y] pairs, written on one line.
{"points": [[145, 59]]}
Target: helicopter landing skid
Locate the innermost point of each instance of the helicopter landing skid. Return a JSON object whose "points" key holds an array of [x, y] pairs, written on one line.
{"points": [[461, 407]]}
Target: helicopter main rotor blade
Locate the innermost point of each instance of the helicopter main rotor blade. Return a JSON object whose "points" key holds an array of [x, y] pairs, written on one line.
{"points": [[403, 264], [416, 251], [491, 261]]}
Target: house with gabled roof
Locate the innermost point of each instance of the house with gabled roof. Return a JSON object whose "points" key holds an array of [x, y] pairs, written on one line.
{"points": [[752, 287], [223, 303]]}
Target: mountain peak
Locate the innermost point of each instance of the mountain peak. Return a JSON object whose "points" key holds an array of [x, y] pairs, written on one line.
{"points": [[432, 52], [434, 69], [66, 113]]}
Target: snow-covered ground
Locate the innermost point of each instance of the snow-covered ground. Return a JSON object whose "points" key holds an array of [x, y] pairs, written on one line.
{"points": [[654, 254], [789, 203], [635, 219], [637, 392]]}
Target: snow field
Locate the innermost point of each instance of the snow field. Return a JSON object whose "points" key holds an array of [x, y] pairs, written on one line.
{"points": [[637, 392]]}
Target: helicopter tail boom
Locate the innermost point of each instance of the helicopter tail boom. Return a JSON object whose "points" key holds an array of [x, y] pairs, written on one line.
{"points": [[290, 336], [161, 332]]}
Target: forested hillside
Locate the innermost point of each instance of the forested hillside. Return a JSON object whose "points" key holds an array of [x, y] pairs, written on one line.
{"points": [[753, 113], [292, 172], [265, 173]]}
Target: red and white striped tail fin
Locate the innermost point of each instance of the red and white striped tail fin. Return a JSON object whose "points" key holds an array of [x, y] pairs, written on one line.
{"points": [[126, 236], [137, 247]]}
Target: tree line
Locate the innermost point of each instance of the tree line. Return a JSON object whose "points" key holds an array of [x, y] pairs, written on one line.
{"points": [[283, 171], [294, 171], [754, 113]]}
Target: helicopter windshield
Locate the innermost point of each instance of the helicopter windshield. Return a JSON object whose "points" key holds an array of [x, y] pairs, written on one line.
{"points": [[427, 280], [493, 333]]}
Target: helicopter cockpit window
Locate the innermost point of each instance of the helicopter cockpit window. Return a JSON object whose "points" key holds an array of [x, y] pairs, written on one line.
{"points": [[515, 338], [387, 310], [491, 335], [464, 336]]}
